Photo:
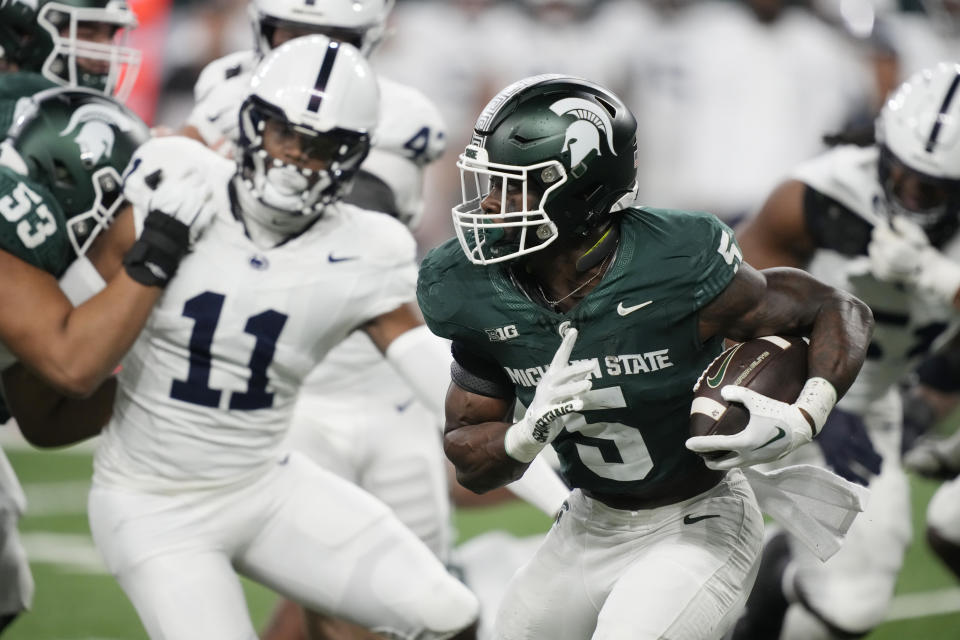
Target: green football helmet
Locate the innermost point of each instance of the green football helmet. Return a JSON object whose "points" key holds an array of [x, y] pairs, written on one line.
{"points": [[564, 139], [67, 49], [76, 143], [18, 23]]}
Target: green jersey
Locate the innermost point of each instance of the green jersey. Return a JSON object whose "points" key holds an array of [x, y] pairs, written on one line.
{"points": [[638, 326], [13, 87]]}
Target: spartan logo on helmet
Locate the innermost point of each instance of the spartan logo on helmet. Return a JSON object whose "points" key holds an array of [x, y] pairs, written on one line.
{"points": [[583, 134], [96, 136]]}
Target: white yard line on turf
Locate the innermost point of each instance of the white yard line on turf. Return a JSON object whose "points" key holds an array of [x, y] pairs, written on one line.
{"points": [[926, 603], [70, 551]]}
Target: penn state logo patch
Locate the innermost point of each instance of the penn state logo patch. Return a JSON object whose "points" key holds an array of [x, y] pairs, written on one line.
{"points": [[259, 262]]}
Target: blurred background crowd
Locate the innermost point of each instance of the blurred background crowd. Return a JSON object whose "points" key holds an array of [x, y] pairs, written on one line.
{"points": [[729, 94]]}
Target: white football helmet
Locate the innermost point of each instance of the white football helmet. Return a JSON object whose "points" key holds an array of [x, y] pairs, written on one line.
{"points": [[918, 132], [361, 23], [67, 60], [323, 93]]}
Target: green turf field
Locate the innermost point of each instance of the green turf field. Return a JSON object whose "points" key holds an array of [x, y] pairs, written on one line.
{"points": [[76, 600]]}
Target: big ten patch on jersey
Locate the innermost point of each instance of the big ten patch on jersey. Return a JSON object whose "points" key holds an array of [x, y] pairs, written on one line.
{"points": [[32, 224]]}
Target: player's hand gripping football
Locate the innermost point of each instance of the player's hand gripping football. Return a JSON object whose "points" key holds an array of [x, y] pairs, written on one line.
{"points": [[900, 252], [775, 428], [559, 392], [172, 204]]}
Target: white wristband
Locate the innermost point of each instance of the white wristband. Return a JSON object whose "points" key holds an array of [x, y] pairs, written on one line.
{"points": [[519, 445], [817, 398], [81, 281]]}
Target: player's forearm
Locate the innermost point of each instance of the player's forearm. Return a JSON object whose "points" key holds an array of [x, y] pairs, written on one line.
{"points": [[95, 336], [839, 324], [839, 340], [477, 453]]}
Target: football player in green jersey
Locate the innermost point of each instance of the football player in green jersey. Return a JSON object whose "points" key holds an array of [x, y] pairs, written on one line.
{"points": [[60, 184], [71, 43], [581, 320]]}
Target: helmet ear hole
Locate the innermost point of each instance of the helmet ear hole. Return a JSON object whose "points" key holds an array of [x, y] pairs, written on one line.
{"points": [[62, 178]]}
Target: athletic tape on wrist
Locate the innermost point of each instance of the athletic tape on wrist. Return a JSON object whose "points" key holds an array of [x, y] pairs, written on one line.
{"points": [[518, 444], [817, 398]]}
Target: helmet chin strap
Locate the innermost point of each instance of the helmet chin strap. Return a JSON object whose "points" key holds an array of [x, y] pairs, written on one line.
{"points": [[600, 250], [267, 226]]}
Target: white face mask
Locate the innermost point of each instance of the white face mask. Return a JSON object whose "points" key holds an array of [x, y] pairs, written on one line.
{"points": [[284, 188]]}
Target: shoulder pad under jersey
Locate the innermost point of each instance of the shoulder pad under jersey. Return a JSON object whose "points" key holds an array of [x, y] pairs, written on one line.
{"points": [[846, 174]]}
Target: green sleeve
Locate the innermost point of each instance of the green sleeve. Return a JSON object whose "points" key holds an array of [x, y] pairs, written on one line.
{"points": [[718, 261]]}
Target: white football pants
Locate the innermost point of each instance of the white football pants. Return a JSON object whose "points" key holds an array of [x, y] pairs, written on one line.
{"points": [[385, 442], [299, 530], [680, 572]]}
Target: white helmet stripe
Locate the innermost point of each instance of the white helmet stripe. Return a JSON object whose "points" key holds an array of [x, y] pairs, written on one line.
{"points": [[935, 131]]}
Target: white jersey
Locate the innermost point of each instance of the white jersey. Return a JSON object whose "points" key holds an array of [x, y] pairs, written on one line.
{"points": [[410, 135], [207, 391], [908, 323]]}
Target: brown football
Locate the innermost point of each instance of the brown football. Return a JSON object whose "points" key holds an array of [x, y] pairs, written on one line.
{"points": [[775, 366]]}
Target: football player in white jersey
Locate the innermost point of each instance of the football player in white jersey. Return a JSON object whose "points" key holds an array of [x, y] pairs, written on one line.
{"points": [[383, 448], [881, 222], [192, 481]]}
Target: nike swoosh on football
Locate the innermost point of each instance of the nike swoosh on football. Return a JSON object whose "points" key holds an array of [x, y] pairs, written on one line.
{"points": [[688, 519], [625, 311], [333, 258], [714, 380], [780, 434]]}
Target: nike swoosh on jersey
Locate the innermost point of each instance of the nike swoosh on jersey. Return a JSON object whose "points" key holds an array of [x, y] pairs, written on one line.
{"points": [[625, 311], [332, 258], [688, 519], [780, 434]]}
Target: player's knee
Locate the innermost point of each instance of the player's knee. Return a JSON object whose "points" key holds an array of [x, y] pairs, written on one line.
{"points": [[442, 611], [453, 609]]}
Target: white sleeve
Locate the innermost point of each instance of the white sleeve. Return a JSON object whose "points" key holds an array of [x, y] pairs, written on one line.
{"points": [[541, 486], [423, 360], [81, 281]]}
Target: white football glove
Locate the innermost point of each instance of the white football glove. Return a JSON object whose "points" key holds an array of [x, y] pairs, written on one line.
{"points": [[900, 252], [775, 428], [167, 175], [559, 392]]}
